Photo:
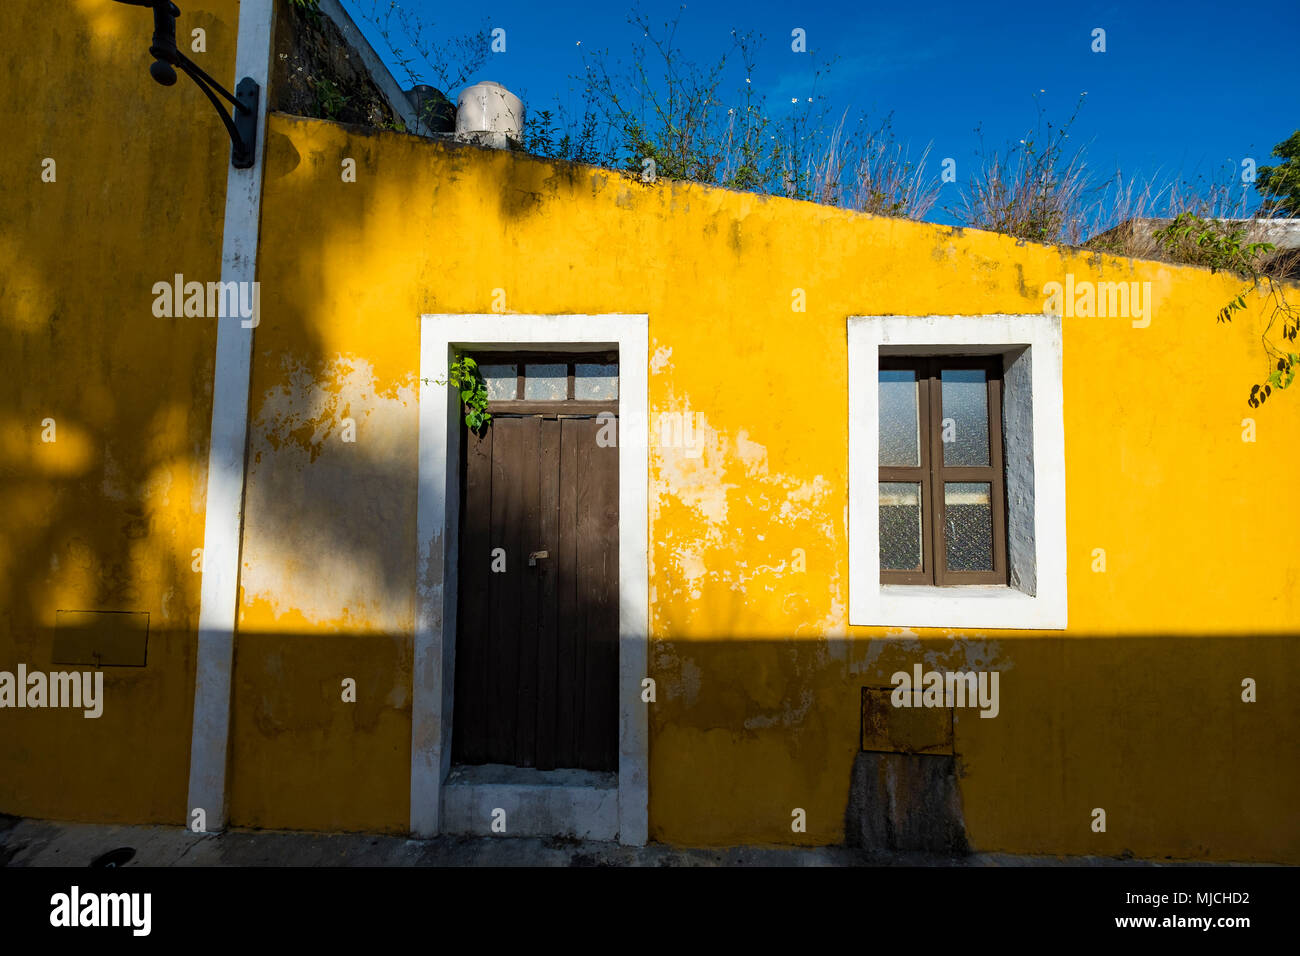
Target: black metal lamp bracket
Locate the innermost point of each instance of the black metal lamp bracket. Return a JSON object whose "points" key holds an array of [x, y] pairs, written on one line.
{"points": [[242, 125]]}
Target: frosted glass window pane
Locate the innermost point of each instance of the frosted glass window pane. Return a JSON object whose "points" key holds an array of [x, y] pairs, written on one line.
{"points": [[900, 442], [965, 425], [501, 381], [968, 525], [546, 383], [595, 382], [900, 526]]}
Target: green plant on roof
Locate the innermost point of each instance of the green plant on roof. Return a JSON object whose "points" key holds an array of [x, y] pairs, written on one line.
{"points": [[330, 100], [1223, 247]]}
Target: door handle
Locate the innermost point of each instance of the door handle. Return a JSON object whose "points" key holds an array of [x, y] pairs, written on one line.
{"points": [[534, 555]]}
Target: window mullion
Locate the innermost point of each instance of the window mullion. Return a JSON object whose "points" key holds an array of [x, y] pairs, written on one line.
{"points": [[934, 444], [998, 496], [923, 471]]}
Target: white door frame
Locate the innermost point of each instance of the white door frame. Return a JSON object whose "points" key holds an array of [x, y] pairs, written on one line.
{"points": [[438, 506]]}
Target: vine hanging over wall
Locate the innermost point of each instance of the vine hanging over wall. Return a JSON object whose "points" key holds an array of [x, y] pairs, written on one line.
{"points": [[1223, 247], [463, 374]]}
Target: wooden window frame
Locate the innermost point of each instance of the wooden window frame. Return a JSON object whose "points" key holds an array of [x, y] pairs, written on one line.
{"points": [[567, 406], [932, 474]]}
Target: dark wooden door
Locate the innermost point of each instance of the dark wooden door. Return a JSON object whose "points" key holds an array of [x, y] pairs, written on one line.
{"points": [[537, 644]]}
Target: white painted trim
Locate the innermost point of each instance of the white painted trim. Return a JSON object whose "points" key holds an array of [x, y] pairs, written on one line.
{"points": [[871, 603], [223, 520], [438, 518], [374, 65]]}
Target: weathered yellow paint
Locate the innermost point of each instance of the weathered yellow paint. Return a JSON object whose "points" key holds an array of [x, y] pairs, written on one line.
{"points": [[305, 758], [104, 517], [759, 673], [1135, 709]]}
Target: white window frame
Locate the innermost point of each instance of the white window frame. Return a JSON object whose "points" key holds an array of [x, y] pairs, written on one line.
{"points": [[1032, 395]]}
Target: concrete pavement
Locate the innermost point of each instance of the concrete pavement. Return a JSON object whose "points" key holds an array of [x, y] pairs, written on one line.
{"points": [[25, 842]]}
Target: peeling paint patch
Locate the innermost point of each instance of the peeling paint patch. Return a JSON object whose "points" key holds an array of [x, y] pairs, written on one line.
{"points": [[330, 525], [709, 487], [659, 361]]}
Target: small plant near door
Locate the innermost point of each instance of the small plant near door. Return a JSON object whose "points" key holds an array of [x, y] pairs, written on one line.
{"points": [[464, 375]]}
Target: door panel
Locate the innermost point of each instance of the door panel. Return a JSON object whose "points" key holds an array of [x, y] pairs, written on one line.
{"points": [[504, 620], [568, 638], [530, 581], [597, 583], [476, 595], [548, 630], [537, 646]]}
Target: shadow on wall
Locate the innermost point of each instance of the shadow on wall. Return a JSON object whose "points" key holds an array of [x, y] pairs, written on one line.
{"points": [[105, 412], [108, 513], [745, 729], [744, 732], [113, 184]]}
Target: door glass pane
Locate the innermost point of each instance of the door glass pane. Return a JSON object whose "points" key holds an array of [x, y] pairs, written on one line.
{"points": [[965, 425], [546, 383], [968, 525], [900, 526], [595, 382], [501, 381], [900, 442]]}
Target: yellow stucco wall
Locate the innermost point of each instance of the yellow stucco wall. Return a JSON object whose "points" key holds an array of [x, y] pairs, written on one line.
{"points": [[104, 517], [1135, 709]]}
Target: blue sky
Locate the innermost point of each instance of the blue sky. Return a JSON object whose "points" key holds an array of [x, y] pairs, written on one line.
{"points": [[1183, 89]]}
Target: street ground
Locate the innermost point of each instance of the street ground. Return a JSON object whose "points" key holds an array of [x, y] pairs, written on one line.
{"points": [[25, 842]]}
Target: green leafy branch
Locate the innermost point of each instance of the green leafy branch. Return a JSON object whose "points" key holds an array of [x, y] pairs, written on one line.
{"points": [[1223, 247], [464, 375], [309, 9], [330, 100]]}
